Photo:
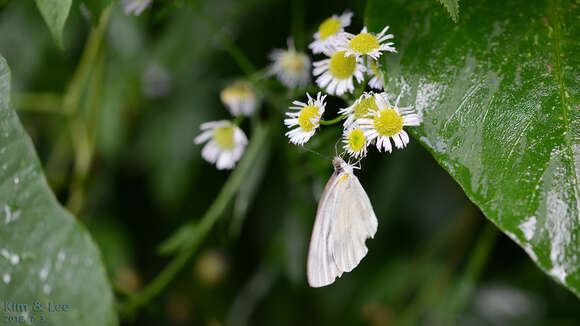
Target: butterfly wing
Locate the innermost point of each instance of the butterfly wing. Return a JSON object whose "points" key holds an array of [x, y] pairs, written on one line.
{"points": [[353, 223], [321, 270], [344, 220]]}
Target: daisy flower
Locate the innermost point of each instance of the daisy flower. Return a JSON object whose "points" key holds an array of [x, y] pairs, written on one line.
{"points": [[377, 78], [135, 7], [225, 143], [359, 109], [355, 142], [239, 98], [336, 73], [387, 123], [306, 119], [365, 43], [328, 31], [292, 68]]}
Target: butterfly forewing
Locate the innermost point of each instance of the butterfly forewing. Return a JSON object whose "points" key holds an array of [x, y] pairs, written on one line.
{"points": [[344, 220], [321, 269]]}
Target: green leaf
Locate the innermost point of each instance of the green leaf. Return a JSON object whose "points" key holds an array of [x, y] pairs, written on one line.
{"points": [[55, 13], [248, 190], [499, 97], [452, 7], [45, 254]]}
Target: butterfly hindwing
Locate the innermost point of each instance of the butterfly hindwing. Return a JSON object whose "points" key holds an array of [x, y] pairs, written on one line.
{"points": [[353, 223]]}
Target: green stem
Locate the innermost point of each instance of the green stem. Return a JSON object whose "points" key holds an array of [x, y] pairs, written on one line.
{"points": [[39, 102], [333, 121], [200, 229], [84, 128], [90, 72], [74, 92]]}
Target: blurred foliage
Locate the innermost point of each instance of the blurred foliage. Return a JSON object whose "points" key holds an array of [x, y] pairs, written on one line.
{"points": [[148, 84], [452, 7]]}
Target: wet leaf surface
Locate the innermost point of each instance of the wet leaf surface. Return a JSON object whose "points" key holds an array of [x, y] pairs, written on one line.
{"points": [[46, 256], [499, 96]]}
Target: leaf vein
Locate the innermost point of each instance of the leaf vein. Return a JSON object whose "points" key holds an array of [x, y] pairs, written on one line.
{"points": [[561, 89]]}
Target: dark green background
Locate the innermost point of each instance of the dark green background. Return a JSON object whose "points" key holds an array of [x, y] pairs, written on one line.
{"points": [[426, 266]]}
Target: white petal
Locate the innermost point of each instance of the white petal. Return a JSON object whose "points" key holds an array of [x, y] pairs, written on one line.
{"points": [[382, 101], [240, 136], [214, 124], [203, 137], [398, 141], [383, 32], [412, 120], [210, 152], [404, 137], [225, 161]]}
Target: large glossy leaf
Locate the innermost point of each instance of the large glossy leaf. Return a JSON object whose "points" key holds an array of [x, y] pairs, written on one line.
{"points": [[499, 96], [55, 13], [46, 256]]}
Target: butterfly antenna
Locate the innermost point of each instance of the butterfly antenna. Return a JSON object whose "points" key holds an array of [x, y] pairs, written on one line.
{"points": [[315, 152], [341, 154], [357, 164]]}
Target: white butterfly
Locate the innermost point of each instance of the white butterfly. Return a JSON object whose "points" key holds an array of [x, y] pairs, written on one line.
{"points": [[344, 220]]}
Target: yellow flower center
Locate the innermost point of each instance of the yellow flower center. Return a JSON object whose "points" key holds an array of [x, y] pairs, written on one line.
{"points": [[363, 107], [356, 140], [237, 91], [388, 122], [293, 62], [342, 66], [363, 43], [329, 27], [306, 115], [224, 137]]}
